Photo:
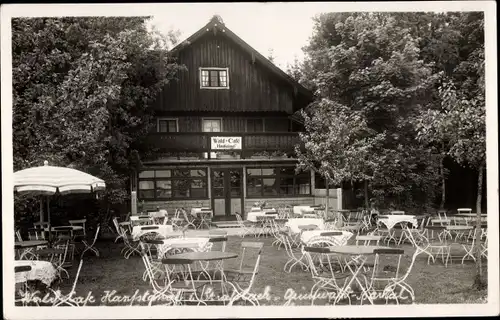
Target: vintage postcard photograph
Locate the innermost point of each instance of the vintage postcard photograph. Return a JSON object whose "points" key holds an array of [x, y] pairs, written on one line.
{"points": [[243, 160]]}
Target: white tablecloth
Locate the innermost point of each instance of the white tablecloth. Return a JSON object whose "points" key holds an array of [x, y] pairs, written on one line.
{"points": [[195, 211], [302, 209], [158, 214], [294, 223], [40, 270], [197, 244], [341, 240], [252, 215], [163, 229], [391, 220]]}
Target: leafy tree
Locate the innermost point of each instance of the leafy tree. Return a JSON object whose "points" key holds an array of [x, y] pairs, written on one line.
{"points": [[338, 144], [458, 126], [82, 90], [367, 62]]}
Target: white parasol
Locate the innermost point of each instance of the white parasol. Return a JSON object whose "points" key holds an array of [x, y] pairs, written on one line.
{"points": [[48, 180]]}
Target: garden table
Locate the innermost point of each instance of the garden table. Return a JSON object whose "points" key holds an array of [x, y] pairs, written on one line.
{"points": [[140, 220], [294, 223], [158, 216], [359, 255], [302, 209], [162, 229], [339, 239], [217, 257], [458, 230], [43, 271], [196, 210], [252, 215], [196, 244], [390, 221], [27, 246]]}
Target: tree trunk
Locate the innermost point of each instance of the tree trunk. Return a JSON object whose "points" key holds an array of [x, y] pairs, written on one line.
{"points": [[443, 184], [327, 199], [479, 282], [366, 194]]}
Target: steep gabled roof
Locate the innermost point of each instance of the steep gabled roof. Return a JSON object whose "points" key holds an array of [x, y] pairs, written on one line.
{"points": [[215, 25]]}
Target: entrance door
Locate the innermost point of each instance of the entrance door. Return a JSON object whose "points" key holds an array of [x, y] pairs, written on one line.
{"points": [[227, 191]]}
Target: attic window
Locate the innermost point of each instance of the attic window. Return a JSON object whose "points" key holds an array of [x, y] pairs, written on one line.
{"points": [[214, 78]]}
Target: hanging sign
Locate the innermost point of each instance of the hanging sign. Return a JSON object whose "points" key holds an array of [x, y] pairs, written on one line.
{"points": [[225, 143]]}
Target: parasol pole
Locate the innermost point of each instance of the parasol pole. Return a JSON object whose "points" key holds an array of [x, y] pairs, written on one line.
{"points": [[41, 210], [48, 217]]}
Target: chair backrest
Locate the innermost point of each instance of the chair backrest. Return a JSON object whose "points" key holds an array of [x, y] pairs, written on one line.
{"points": [[80, 223], [64, 246], [18, 235], [251, 246], [368, 240], [221, 240], [215, 233], [307, 227], [321, 253], [77, 222], [22, 268], [384, 257], [41, 224], [150, 227], [397, 212]]}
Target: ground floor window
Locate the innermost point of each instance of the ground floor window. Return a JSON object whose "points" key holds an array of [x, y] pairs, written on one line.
{"points": [[277, 181], [167, 184]]}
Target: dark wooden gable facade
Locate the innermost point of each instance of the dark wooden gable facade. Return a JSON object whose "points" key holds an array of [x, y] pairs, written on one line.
{"points": [[255, 84]]}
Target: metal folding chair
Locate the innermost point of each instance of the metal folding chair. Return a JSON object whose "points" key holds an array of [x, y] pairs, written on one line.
{"points": [[57, 255], [22, 295], [68, 299], [79, 223], [429, 245], [246, 226], [324, 275], [294, 253], [162, 289], [243, 278], [91, 246]]}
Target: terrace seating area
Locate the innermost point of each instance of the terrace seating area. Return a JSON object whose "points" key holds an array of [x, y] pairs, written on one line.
{"points": [[182, 258]]}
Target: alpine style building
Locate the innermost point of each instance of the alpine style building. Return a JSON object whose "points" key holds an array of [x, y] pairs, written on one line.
{"points": [[226, 132]]}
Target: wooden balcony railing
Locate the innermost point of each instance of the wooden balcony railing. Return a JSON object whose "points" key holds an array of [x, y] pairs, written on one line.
{"points": [[200, 141]]}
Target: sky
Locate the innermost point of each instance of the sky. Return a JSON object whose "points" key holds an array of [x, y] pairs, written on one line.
{"points": [[283, 27]]}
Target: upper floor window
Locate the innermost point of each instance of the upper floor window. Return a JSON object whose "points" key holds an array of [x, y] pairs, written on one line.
{"points": [[212, 125], [214, 78], [255, 125], [167, 125]]}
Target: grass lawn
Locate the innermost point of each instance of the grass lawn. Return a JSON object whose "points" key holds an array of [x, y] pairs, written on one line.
{"points": [[111, 273]]}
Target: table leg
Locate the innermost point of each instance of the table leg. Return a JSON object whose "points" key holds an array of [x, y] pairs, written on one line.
{"points": [[354, 277]]}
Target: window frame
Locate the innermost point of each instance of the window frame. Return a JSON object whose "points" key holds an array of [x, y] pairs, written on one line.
{"points": [[201, 69], [172, 180], [166, 119], [277, 176], [219, 119], [263, 125]]}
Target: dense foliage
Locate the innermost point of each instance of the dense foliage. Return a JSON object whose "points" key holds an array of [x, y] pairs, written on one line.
{"points": [[389, 70], [82, 90], [395, 95]]}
